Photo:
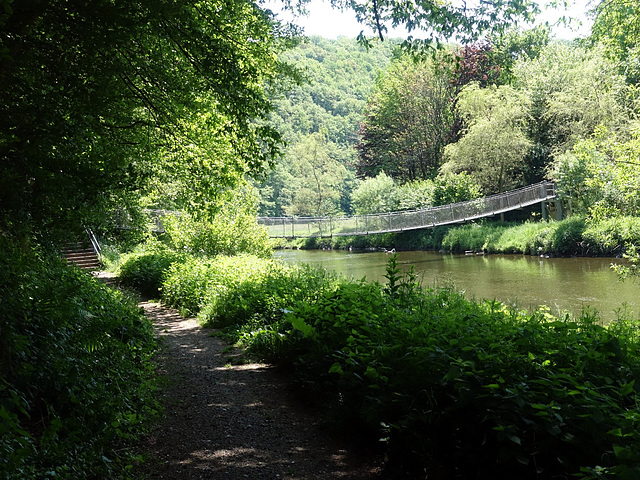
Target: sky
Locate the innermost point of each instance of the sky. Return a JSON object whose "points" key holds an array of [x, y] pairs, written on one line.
{"points": [[327, 22]]}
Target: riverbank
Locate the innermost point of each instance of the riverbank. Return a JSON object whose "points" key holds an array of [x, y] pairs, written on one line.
{"points": [[574, 236], [447, 387]]}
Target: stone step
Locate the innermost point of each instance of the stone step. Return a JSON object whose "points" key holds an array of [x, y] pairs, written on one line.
{"points": [[84, 258]]}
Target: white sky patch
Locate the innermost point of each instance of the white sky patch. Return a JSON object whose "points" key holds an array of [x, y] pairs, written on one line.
{"points": [[327, 22]]}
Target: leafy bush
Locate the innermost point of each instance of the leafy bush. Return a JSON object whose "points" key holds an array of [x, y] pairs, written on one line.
{"points": [[247, 293], [453, 188], [146, 268], [226, 234], [76, 384], [610, 236], [472, 390], [415, 195], [376, 195], [188, 285], [258, 303], [381, 193], [600, 175]]}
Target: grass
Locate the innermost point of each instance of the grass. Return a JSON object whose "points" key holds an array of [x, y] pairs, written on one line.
{"points": [[574, 236]]}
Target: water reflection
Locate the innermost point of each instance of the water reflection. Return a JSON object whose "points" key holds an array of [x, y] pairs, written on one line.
{"points": [[527, 282]]}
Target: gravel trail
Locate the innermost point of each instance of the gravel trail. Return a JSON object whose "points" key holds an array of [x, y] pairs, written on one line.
{"points": [[229, 421]]}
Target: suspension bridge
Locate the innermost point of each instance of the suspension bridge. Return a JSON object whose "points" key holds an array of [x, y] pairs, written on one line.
{"points": [[291, 227]]}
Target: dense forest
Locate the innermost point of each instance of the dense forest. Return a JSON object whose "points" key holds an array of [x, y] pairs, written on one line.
{"points": [[319, 120], [378, 130], [218, 111]]}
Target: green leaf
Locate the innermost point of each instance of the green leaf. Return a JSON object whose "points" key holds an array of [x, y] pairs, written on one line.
{"points": [[453, 373], [299, 324], [627, 388], [336, 368]]}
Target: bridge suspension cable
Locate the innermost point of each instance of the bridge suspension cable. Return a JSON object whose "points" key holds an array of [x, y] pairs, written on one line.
{"points": [[287, 227]]}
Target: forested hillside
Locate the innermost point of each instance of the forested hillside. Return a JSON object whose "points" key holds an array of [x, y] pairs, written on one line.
{"points": [[379, 130], [319, 120]]}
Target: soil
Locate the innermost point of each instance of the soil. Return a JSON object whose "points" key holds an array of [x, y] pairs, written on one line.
{"points": [[231, 420]]}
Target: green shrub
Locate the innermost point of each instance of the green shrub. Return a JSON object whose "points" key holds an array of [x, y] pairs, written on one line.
{"points": [[376, 195], [190, 284], [454, 187], [146, 268], [229, 233], [231, 291], [265, 294], [609, 237], [76, 385], [473, 390]]}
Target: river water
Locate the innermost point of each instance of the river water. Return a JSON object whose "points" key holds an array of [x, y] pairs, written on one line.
{"points": [[526, 282]]}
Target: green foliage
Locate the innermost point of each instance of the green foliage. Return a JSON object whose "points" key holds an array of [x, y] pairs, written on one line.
{"points": [[453, 387], [376, 195], [616, 27], [493, 147], [632, 269], [599, 176], [415, 195], [190, 284], [339, 75], [436, 22], [382, 194], [317, 179], [247, 294], [612, 236], [104, 102], [76, 386], [518, 45], [146, 267], [571, 90], [473, 236], [453, 188], [408, 122], [532, 238], [233, 229]]}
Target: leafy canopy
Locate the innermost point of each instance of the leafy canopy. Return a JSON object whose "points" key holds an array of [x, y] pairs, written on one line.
{"points": [[98, 98], [408, 120], [440, 20]]}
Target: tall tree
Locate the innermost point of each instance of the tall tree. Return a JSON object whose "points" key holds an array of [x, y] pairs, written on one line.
{"points": [[571, 90], [407, 124], [617, 26], [317, 177], [494, 145], [96, 98]]}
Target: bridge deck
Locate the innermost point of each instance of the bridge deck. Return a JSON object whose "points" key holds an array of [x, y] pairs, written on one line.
{"points": [[279, 227]]}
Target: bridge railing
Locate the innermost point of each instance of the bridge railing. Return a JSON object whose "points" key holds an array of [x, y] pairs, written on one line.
{"points": [[408, 220]]}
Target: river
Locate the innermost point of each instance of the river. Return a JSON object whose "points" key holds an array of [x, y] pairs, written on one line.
{"points": [[526, 282]]}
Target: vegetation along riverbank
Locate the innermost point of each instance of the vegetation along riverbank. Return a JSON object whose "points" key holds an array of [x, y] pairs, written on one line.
{"points": [[438, 384], [573, 236]]}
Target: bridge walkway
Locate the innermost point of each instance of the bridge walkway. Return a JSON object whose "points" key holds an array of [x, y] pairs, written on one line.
{"points": [[288, 227]]}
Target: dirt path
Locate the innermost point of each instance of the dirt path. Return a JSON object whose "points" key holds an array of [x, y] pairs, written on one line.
{"points": [[226, 421]]}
